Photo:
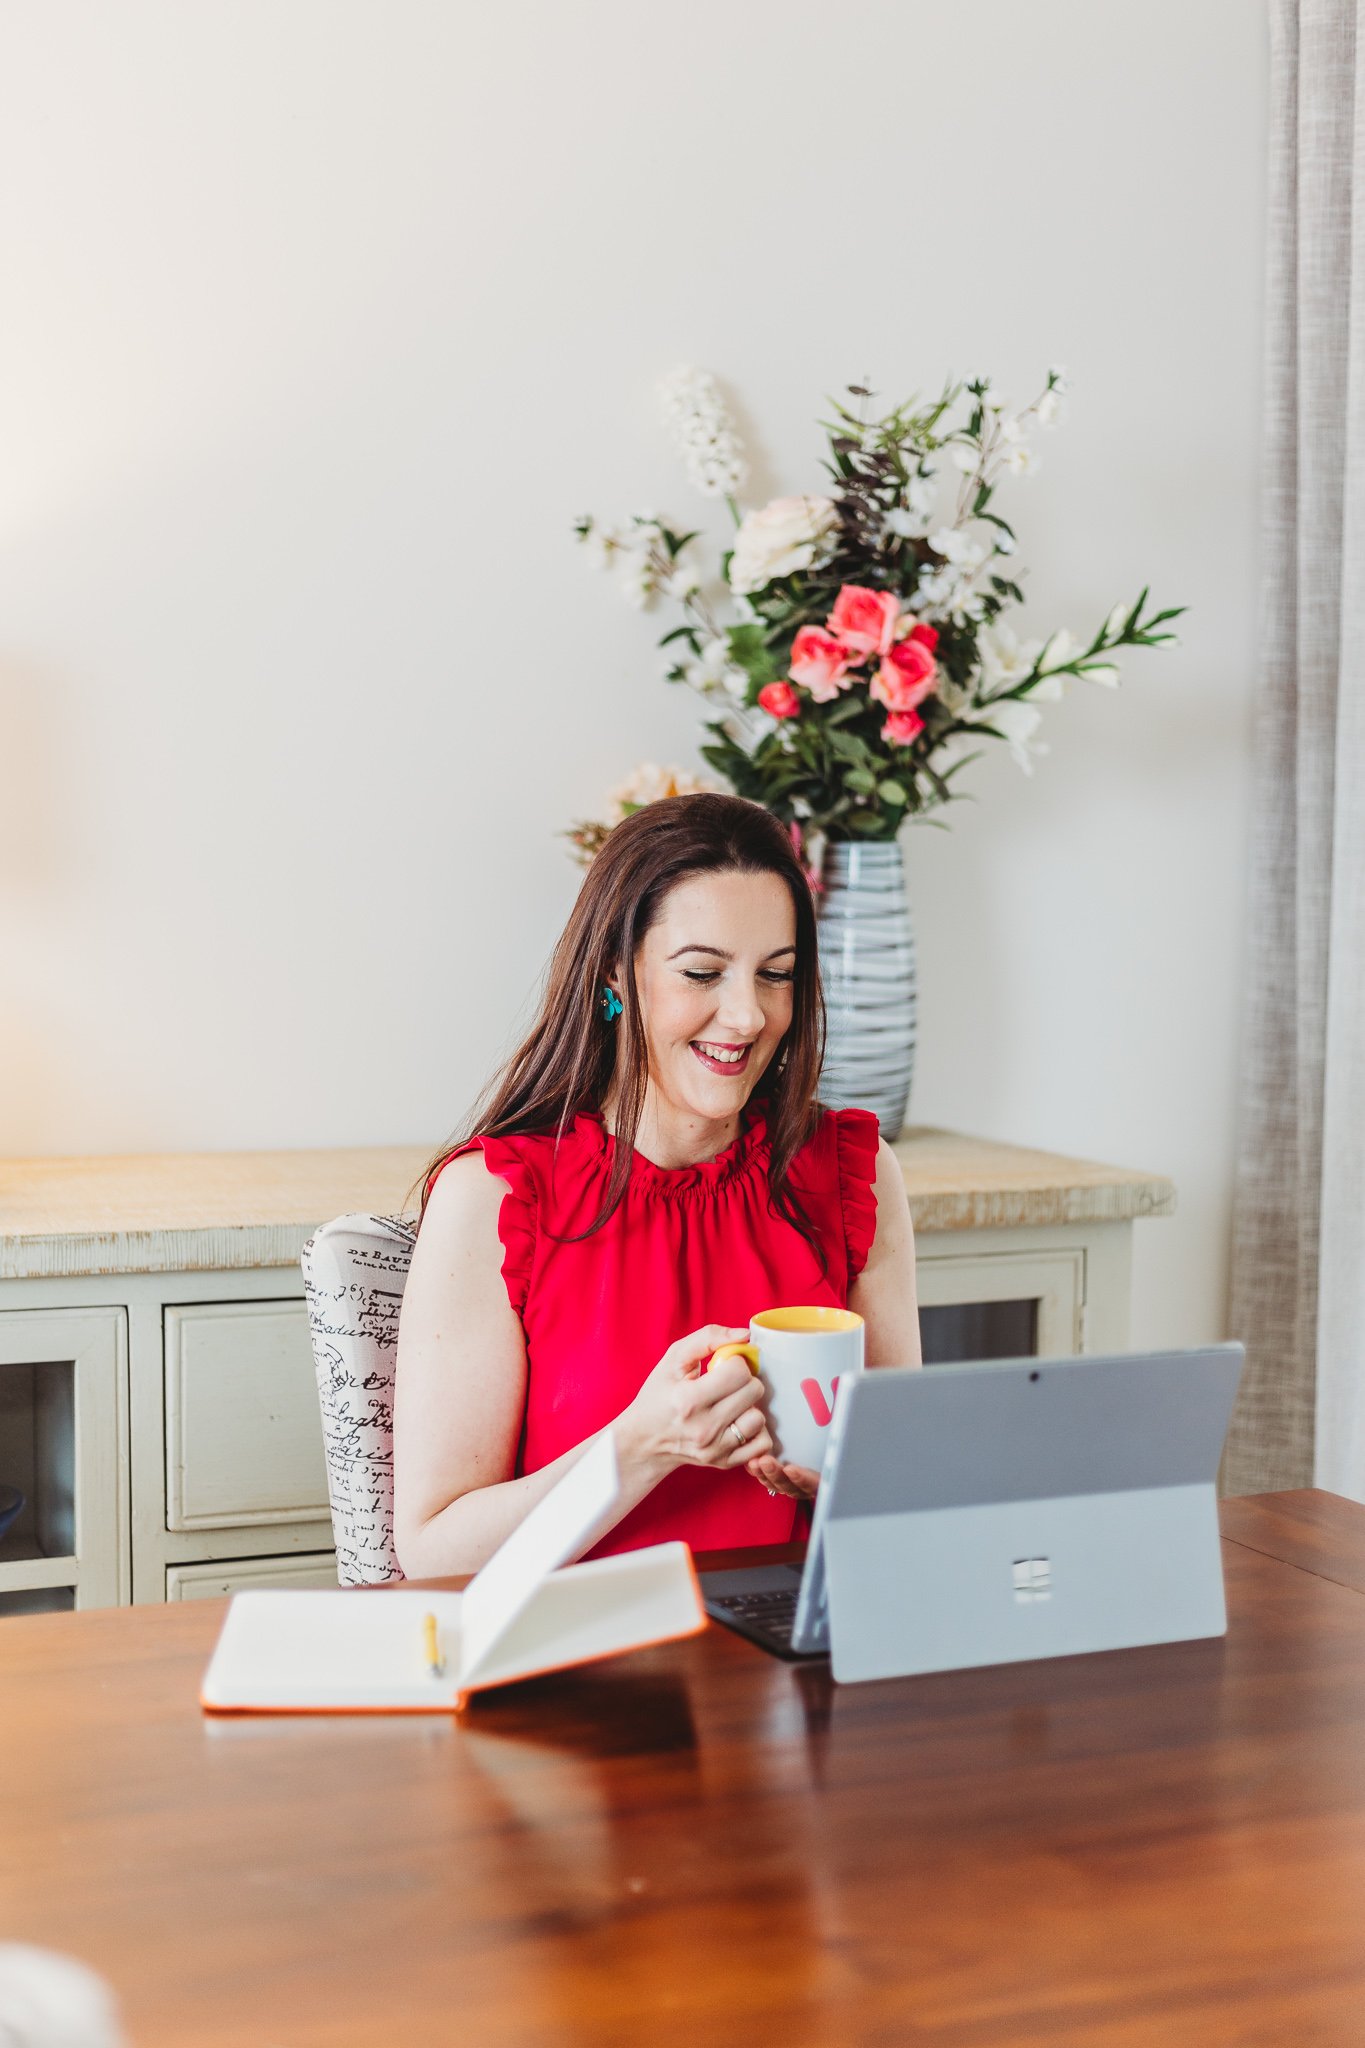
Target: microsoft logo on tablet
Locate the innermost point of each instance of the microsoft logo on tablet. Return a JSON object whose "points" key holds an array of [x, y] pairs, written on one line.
{"points": [[1032, 1579]]}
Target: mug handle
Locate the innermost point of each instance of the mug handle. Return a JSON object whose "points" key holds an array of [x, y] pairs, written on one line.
{"points": [[749, 1351]]}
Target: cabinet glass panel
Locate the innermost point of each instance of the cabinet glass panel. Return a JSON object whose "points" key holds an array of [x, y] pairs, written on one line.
{"points": [[38, 1600], [964, 1330], [37, 1457]]}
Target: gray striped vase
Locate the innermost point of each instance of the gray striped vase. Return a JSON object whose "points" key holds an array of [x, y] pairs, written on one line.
{"points": [[867, 964]]}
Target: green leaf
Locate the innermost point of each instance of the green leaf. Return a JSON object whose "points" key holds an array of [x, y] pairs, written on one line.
{"points": [[750, 652], [891, 793], [861, 780]]}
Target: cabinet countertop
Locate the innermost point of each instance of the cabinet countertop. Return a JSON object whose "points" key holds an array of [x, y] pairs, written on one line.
{"points": [[218, 1211]]}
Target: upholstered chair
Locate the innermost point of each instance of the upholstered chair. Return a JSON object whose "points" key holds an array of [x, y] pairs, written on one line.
{"points": [[354, 1272]]}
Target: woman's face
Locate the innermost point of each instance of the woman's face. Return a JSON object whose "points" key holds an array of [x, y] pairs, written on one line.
{"points": [[714, 976]]}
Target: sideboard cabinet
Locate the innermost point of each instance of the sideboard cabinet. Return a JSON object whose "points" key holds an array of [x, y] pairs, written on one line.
{"points": [[157, 1403]]}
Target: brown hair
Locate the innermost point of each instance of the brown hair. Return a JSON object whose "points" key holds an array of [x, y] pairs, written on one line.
{"points": [[567, 1061]]}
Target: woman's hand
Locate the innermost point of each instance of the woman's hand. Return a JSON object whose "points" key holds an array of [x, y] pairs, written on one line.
{"points": [[798, 1482], [684, 1416]]}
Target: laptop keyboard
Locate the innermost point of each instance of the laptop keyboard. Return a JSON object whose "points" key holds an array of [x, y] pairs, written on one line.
{"points": [[774, 1613]]}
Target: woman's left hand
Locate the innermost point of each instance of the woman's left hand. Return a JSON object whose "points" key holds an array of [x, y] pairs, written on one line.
{"points": [[796, 1481]]}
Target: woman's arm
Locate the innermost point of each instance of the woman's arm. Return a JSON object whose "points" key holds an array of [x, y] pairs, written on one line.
{"points": [[460, 1392], [884, 1292]]}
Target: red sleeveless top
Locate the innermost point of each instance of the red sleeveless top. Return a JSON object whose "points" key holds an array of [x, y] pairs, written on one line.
{"points": [[688, 1245]]}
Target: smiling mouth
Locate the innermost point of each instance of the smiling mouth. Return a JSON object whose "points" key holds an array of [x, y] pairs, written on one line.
{"points": [[721, 1059]]}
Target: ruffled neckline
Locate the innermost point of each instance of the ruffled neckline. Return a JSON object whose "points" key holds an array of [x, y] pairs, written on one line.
{"points": [[738, 1157]]}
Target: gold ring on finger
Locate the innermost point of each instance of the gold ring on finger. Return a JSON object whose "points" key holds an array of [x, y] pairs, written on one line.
{"points": [[737, 1433]]}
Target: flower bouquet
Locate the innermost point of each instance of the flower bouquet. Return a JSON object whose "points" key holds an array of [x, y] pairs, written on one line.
{"points": [[852, 653], [861, 662]]}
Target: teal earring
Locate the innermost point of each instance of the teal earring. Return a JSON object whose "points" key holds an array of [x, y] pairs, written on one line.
{"points": [[612, 1005]]}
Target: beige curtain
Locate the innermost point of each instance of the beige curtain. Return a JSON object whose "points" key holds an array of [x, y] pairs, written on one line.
{"points": [[1298, 1265]]}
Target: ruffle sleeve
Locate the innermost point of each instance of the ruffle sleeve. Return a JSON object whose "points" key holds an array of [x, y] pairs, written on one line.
{"points": [[517, 1215], [857, 1136]]}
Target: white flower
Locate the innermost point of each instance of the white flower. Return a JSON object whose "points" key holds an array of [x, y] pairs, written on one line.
{"points": [[634, 577], [1059, 378], [1017, 723], [712, 451], [1059, 650], [1049, 689], [992, 399], [1004, 542], [786, 535], [965, 459], [1021, 460], [901, 522], [1011, 431], [1113, 625], [1048, 409], [910, 520], [1101, 672], [684, 579], [957, 546], [936, 587], [921, 493], [713, 672], [1005, 660], [646, 784]]}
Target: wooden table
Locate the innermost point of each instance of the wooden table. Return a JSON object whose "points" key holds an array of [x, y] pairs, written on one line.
{"points": [[700, 1845]]}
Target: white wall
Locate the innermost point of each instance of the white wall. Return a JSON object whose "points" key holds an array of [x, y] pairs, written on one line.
{"points": [[322, 320]]}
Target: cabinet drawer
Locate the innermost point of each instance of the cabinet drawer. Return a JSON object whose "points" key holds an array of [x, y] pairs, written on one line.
{"points": [[216, 1581], [243, 1431]]}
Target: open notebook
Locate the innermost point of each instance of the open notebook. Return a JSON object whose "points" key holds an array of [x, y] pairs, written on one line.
{"points": [[353, 1652]]}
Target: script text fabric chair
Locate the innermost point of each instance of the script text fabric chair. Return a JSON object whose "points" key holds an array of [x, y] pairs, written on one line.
{"points": [[354, 1272]]}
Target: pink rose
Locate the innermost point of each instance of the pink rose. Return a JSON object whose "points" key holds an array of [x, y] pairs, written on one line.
{"points": [[865, 620], [907, 676], [902, 727], [926, 635], [779, 700], [821, 663]]}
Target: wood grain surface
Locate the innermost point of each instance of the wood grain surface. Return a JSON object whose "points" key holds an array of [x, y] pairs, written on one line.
{"points": [[701, 1845], [1305, 1528]]}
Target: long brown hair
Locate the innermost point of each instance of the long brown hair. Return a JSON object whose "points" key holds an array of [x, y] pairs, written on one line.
{"points": [[569, 1058]]}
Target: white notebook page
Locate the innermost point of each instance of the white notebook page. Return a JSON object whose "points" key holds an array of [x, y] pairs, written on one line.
{"points": [[556, 1529]]}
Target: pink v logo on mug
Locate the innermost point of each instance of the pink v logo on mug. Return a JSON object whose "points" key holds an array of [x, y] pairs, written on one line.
{"points": [[820, 1408]]}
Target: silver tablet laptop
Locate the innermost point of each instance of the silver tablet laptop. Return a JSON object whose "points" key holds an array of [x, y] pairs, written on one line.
{"points": [[983, 1514]]}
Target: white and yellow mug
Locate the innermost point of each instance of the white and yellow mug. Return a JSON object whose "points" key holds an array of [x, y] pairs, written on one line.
{"points": [[800, 1354]]}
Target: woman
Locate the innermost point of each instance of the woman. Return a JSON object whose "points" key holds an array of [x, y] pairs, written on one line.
{"points": [[651, 1169]]}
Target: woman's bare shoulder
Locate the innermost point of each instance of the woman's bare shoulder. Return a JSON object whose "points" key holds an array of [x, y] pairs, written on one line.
{"points": [[464, 1198]]}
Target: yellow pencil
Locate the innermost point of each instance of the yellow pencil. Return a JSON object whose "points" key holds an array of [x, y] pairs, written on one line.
{"points": [[436, 1663]]}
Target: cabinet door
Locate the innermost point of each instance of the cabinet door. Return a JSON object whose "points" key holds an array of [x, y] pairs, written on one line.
{"points": [[1001, 1305], [243, 1427], [64, 1447], [216, 1581]]}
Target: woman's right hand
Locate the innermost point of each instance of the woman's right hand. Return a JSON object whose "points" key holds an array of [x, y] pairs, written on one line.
{"points": [[684, 1416]]}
